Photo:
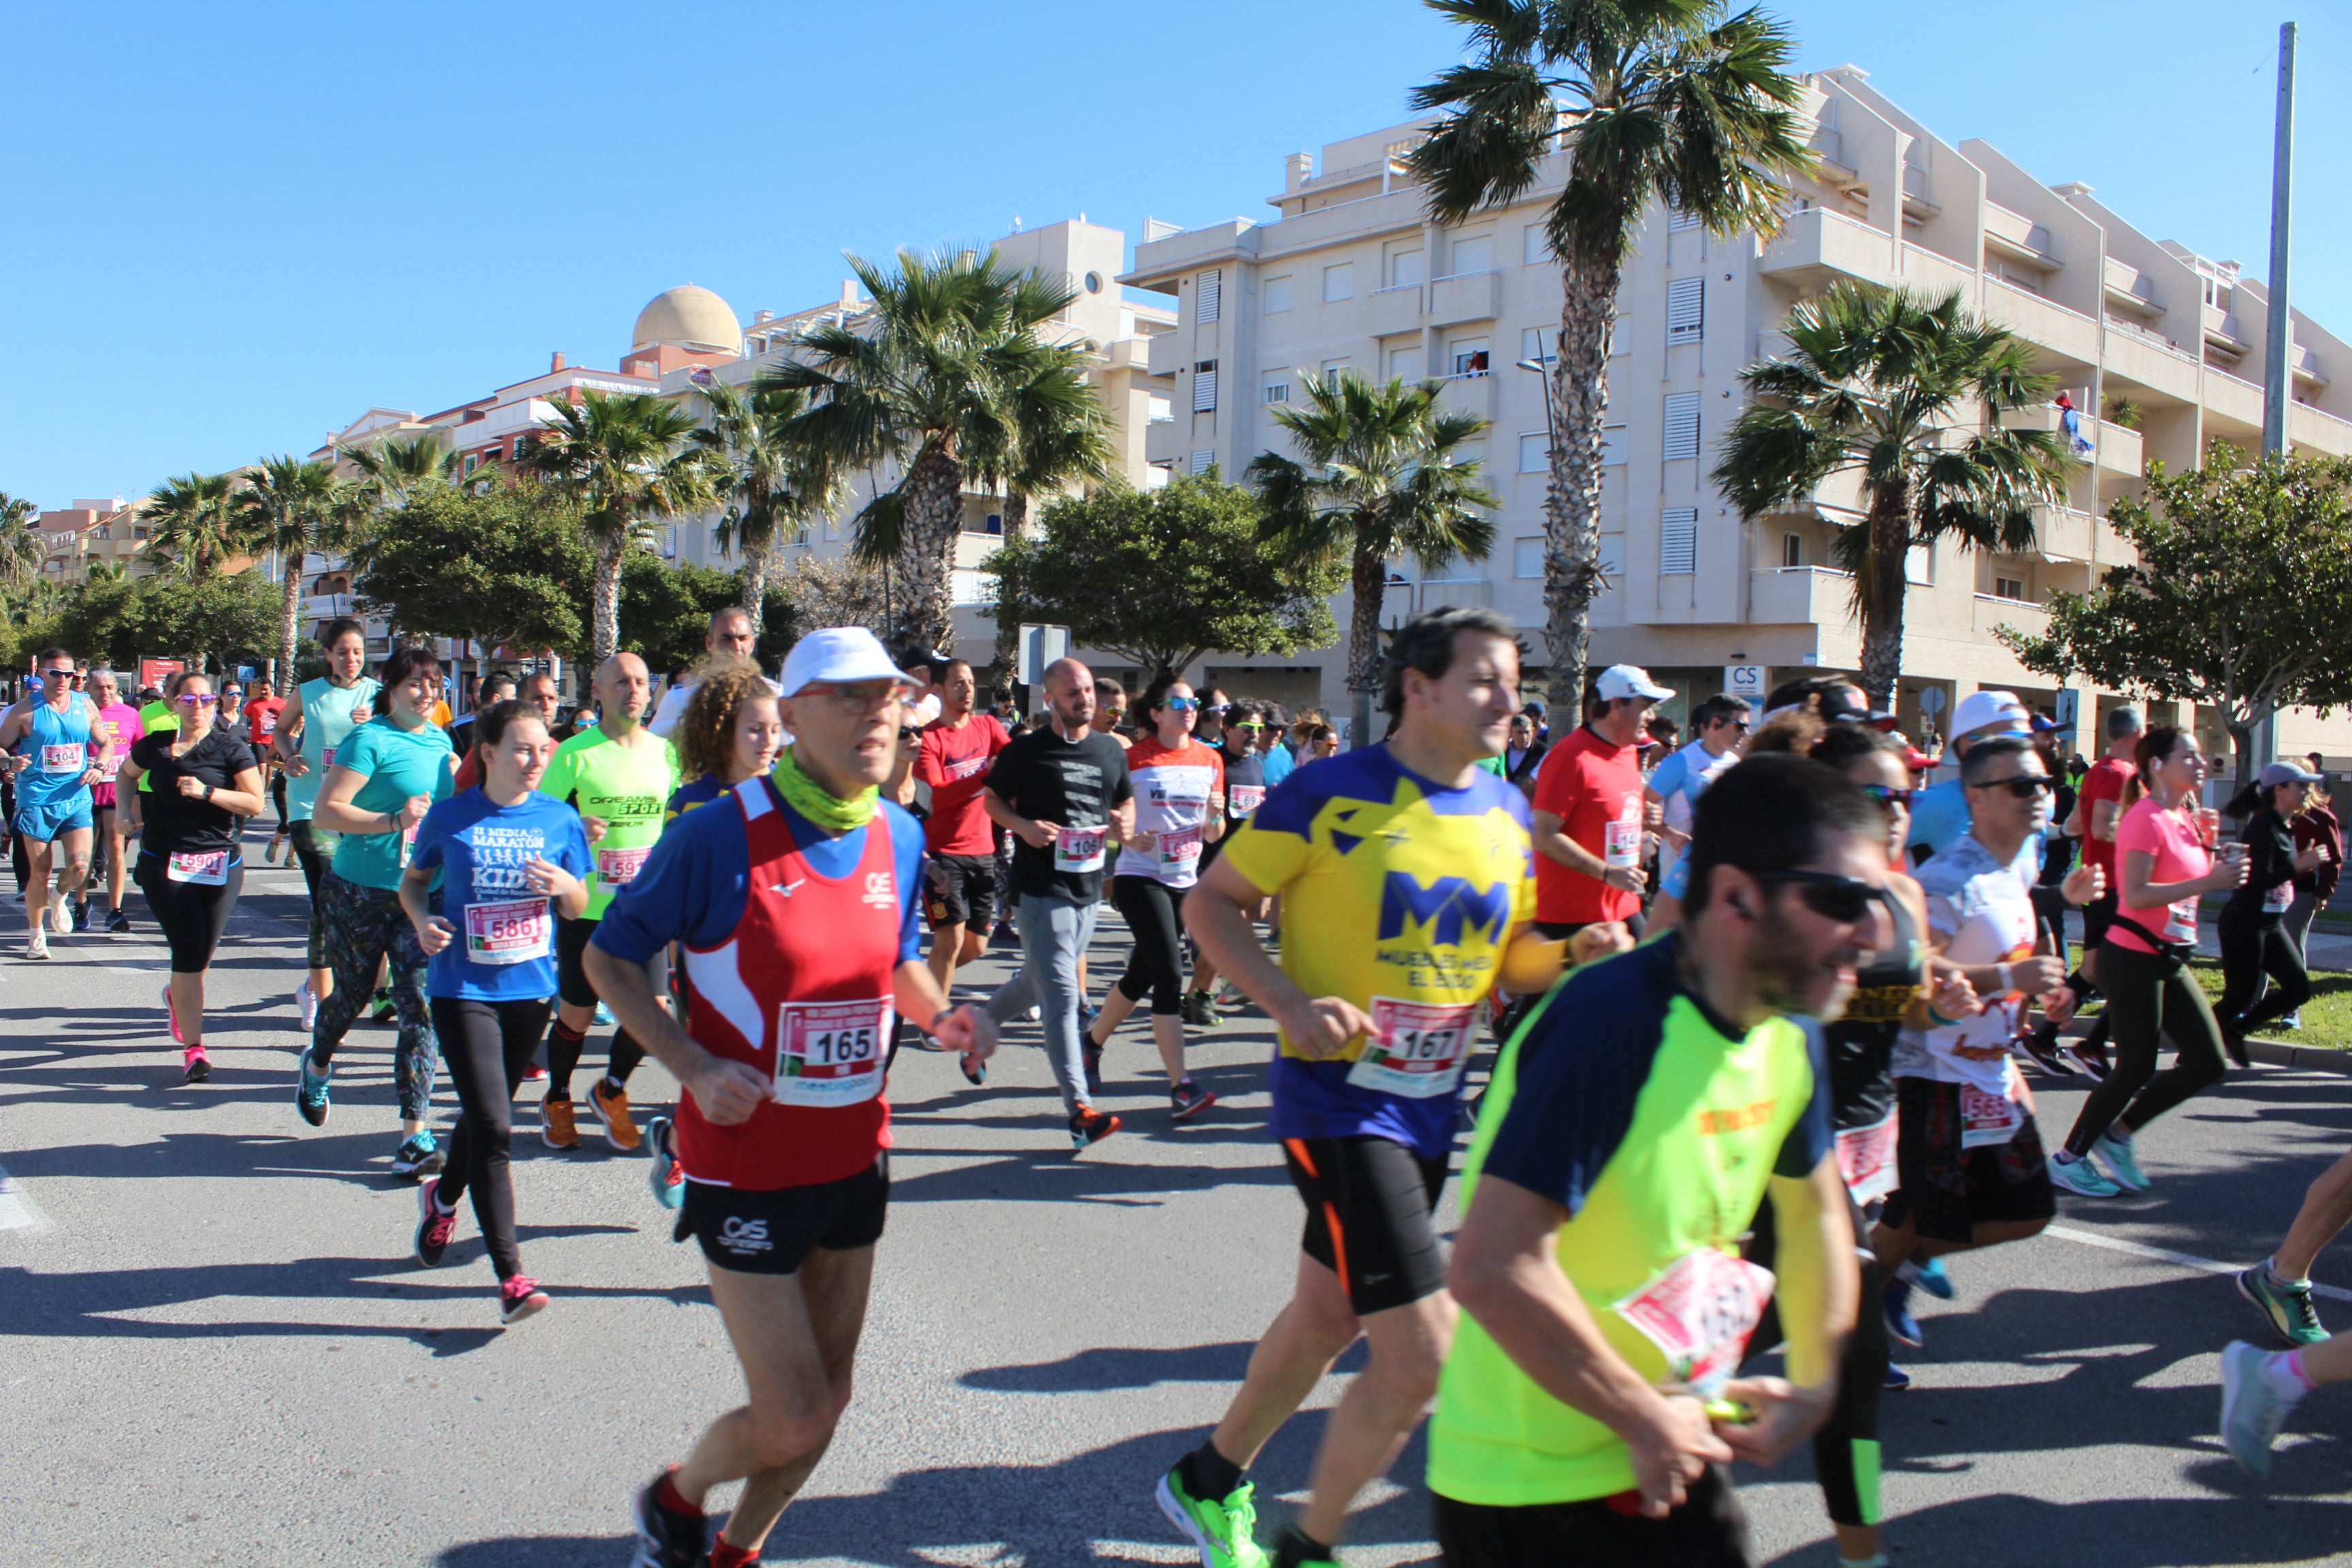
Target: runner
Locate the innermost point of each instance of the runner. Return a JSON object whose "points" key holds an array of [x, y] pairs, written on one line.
{"points": [[49, 734], [1245, 793], [731, 635], [502, 855], [262, 708], [2098, 808], [1941, 815], [1589, 810], [1632, 1127], [124, 730], [387, 775], [2259, 1390], [1110, 711], [958, 747], [463, 738], [1719, 724], [2255, 944], [318, 718], [1062, 789], [2163, 846], [618, 776], [1180, 794], [190, 868], [795, 904], [1274, 758], [1407, 891]]}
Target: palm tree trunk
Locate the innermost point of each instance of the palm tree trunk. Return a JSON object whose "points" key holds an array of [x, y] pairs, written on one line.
{"points": [[289, 616], [755, 582], [1882, 604], [605, 615], [1016, 514], [934, 519], [1580, 401], [1369, 576]]}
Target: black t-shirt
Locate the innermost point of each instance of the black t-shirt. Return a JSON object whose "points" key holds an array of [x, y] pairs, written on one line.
{"points": [[1245, 787], [2269, 862], [175, 822], [1076, 783]]}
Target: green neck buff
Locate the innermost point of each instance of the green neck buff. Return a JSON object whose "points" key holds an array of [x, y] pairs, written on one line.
{"points": [[811, 800]]}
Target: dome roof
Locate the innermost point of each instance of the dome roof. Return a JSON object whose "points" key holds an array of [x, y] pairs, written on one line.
{"points": [[689, 317]]}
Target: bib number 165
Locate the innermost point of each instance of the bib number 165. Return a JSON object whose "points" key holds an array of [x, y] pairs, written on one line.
{"points": [[831, 1053]]}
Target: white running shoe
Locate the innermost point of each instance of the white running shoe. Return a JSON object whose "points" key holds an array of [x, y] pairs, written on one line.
{"points": [[61, 917], [305, 1003], [36, 945]]}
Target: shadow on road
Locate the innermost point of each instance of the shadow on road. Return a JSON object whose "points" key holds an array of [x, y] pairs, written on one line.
{"points": [[2004, 1531]]}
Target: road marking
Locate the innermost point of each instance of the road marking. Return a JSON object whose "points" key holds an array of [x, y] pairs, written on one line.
{"points": [[17, 1209], [2166, 1255]]}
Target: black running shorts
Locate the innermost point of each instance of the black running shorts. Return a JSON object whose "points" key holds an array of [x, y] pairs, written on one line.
{"points": [[961, 889], [1367, 1206], [571, 939], [771, 1233], [1709, 1530], [1945, 1187]]}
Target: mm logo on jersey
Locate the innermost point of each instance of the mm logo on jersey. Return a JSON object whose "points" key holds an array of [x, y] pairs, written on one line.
{"points": [[1449, 908]]}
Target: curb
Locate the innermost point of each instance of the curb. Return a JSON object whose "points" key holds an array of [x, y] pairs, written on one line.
{"points": [[2312, 1058]]}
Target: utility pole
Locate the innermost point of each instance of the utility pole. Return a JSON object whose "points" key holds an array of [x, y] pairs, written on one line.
{"points": [[2278, 371]]}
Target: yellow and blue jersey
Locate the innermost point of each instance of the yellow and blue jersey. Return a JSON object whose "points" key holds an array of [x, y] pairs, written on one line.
{"points": [[1398, 894]]}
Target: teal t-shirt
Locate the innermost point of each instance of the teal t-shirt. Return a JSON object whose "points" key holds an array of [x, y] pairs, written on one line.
{"points": [[398, 764]]}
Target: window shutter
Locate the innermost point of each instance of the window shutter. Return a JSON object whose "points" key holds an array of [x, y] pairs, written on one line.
{"points": [[1685, 309], [1201, 461], [1204, 389], [1682, 425], [1612, 444], [1678, 541], [1678, 220], [1210, 298]]}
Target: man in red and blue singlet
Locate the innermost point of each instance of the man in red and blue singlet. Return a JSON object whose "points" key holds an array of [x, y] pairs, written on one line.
{"points": [[794, 900]]}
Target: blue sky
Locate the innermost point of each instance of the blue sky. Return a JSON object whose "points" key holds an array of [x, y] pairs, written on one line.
{"points": [[232, 227]]}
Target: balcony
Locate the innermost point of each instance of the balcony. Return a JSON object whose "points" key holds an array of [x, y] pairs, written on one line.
{"points": [[1451, 592], [2306, 367], [2128, 286], [1165, 354], [1820, 246], [2016, 237], [1799, 596], [1395, 310], [1992, 613], [2038, 320], [2114, 450], [1468, 297], [1471, 393]]}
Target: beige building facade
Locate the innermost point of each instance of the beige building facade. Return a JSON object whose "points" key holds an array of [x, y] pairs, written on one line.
{"points": [[2162, 348]]}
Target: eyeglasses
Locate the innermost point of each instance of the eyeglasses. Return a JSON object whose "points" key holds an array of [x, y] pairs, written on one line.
{"points": [[196, 699], [2024, 786], [1845, 899], [1888, 795], [1182, 704], [860, 697]]}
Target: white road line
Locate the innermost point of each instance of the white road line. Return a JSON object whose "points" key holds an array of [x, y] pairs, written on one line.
{"points": [[2166, 1255], [17, 1209]]}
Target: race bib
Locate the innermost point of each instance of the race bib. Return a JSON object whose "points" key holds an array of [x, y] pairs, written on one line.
{"points": [[1988, 1119], [64, 759], [513, 931], [326, 759], [110, 765], [1866, 1159], [1080, 848], [1417, 1048], [964, 767], [2180, 922], [269, 724], [408, 843], [1700, 1313], [2276, 899], [206, 869], [831, 1053], [1621, 844], [1243, 800], [1180, 850], [619, 867]]}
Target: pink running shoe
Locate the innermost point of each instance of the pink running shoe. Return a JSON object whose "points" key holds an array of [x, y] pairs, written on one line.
{"points": [[518, 1297]]}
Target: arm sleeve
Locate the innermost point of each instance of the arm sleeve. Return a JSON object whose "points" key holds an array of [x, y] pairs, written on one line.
{"points": [[929, 761], [432, 837], [1006, 775], [1811, 1137], [2136, 830], [1671, 776], [1123, 787], [2270, 852]]}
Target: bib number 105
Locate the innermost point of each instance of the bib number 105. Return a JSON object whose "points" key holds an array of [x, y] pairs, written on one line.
{"points": [[831, 1053]]}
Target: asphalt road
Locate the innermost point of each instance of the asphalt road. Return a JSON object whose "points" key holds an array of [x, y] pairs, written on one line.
{"points": [[215, 1348]]}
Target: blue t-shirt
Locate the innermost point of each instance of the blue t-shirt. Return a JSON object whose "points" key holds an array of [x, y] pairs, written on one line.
{"points": [[397, 764], [694, 887], [1277, 764], [504, 948], [1939, 819]]}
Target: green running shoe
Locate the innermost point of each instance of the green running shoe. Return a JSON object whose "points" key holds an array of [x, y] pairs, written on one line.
{"points": [[2288, 1306], [2121, 1163], [2083, 1178], [1225, 1530]]}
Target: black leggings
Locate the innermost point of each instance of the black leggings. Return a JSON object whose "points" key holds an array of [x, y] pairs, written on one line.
{"points": [[277, 798], [2149, 997], [192, 914], [2254, 945], [1845, 1449], [1155, 967], [487, 1046], [314, 850]]}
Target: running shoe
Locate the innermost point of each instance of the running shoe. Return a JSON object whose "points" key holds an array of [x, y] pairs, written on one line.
{"points": [[37, 945], [171, 1017], [311, 1089], [60, 918], [2252, 1410], [197, 1066], [534, 1074], [82, 914], [2081, 1178], [1200, 1012], [1225, 1529], [518, 1297], [2040, 1047], [270, 854], [2233, 1040], [1292, 1547], [2092, 1059], [604, 1018], [1090, 1127], [118, 924], [1086, 1016], [306, 1005], [2291, 1021], [556, 1128], [975, 1072], [1929, 1276], [418, 1157], [383, 1009], [667, 1538], [612, 1109], [435, 1226], [1188, 1099], [1094, 1066], [2115, 1155], [2292, 1316], [667, 1177], [1896, 1379], [1230, 997], [1894, 1304]]}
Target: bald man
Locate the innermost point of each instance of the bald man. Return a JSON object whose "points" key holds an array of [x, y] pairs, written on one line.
{"points": [[618, 776], [1063, 791], [731, 635]]}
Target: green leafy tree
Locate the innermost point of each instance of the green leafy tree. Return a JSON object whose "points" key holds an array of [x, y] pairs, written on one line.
{"points": [[1161, 578], [194, 529], [2241, 580], [292, 506], [666, 609], [775, 480], [23, 550], [1382, 476], [505, 565], [1906, 392], [1679, 102], [215, 622], [623, 459]]}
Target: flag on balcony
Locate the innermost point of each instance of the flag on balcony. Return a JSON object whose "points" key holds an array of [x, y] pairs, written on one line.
{"points": [[2070, 419]]}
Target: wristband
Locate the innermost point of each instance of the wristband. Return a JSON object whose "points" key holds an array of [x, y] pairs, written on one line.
{"points": [[938, 1018], [2008, 979]]}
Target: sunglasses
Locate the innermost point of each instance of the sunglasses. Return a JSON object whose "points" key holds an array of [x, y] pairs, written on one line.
{"points": [[1845, 899], [1218, 708], [2024, 786], [196, 699], [1250, 728], [1181, 705], [1887, 796]]}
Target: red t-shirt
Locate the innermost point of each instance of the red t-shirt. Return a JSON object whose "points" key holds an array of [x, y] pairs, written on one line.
{"points": [[1595, 790], [954, 762], [2105, 781], [261, 721]]}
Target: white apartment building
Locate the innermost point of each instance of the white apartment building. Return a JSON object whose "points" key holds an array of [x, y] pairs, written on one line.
{"points": [[1350, 272]]}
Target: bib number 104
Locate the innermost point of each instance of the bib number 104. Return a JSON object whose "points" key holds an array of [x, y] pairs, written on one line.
{"points": [[831, 1053]]}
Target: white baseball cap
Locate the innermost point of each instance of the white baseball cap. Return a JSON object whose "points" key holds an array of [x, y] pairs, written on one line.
{"points": [[838, 653], [1998, 711], [1628, 680]]}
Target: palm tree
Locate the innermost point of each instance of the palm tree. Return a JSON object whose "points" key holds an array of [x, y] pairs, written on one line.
{"points": [[776, 482], [1892, 386], [624, 459], [1061, 436], [1380, 477], [392, 472], [193, 524], [936, 378], [23, 550], [1667, 101], [292, 506]]}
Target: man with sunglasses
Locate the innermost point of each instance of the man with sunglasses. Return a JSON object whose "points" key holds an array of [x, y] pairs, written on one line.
{"points": [[1720, 726], [48, 736], [1588, 1409], [1215, 707]]}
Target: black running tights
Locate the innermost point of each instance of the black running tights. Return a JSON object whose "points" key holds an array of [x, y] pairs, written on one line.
{"points": [[2256, 947], [1845, 1449], [2149, 997], [487, 1046], [1155, 969]]}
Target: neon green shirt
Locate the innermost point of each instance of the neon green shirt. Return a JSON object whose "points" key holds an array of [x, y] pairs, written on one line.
{"points": [[627, 786]]}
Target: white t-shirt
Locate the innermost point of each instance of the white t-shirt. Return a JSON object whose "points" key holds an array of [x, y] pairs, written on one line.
{"points": [[1986, 909], [673, 705], [1680, 780]]}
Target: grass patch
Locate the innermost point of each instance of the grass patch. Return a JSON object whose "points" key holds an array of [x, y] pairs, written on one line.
{"points": [[2326, 1018]]}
